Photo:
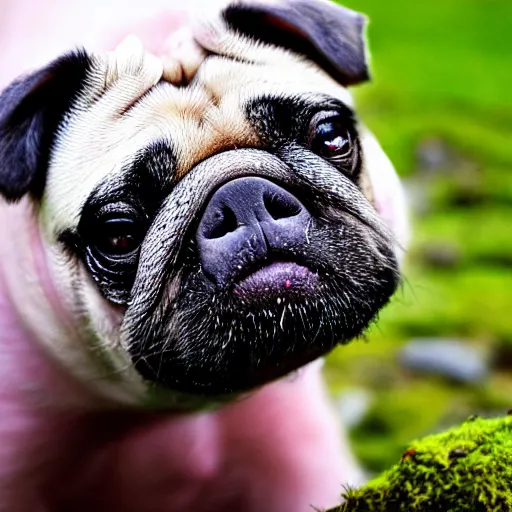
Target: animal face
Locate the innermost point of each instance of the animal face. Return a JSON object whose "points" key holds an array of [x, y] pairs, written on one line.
{"points": [[217, 234]]}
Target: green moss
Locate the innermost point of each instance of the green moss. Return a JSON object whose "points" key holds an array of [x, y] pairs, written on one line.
{"points": [[439, 69], [397, 416], [404, 406], [440, 72], [471, 190], [468, 468], [471, 302], [476, 242]]}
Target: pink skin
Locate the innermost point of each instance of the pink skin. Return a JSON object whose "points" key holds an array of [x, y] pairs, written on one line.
{"points": [[60, 450], [280, 450]]}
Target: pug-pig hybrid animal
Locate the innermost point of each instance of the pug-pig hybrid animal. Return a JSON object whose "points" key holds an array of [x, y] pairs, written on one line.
{"points": [[179, 236]]}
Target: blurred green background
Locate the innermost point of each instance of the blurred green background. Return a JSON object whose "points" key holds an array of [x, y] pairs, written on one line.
{"points": [[440, 103]]}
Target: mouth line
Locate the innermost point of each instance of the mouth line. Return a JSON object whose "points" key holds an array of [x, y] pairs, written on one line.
{"points": [[276, 278]]}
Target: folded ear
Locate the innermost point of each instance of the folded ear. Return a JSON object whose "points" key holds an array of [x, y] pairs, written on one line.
{"points": [[30, 112], [330, 35]]}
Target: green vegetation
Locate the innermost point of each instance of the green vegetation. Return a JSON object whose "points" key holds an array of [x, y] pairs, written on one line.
{"points": [[468, 468], [441, 104]]}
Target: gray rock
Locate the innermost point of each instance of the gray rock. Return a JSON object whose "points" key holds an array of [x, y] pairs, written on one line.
{"points": [[452, 359], [441, 255], [434, 155], [417, 196], [353, 404]]}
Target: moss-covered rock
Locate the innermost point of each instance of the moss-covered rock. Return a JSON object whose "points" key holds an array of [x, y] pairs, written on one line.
{"points": [[468, 468]]}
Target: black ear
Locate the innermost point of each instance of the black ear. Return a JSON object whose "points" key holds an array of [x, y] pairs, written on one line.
{"points": [[30, 111], [330, 35]]}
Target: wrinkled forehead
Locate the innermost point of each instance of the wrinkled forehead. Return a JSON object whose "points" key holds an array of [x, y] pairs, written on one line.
{"points": [[193, 122]]}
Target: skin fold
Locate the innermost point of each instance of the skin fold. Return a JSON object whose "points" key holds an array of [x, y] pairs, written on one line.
{"points": [[64, 449]]}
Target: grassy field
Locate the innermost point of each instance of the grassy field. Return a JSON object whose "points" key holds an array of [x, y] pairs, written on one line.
{"points": [[441, 104]]}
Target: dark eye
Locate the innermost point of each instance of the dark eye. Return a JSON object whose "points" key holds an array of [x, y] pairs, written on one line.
{"points": [[119, 236], [330, 138]]}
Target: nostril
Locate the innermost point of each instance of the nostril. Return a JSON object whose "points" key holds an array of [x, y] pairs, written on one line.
{"points": [[280, 207], [222, 222]]}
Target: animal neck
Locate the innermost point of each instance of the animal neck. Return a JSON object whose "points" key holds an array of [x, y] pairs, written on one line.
{"points": [[33, 317]]}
